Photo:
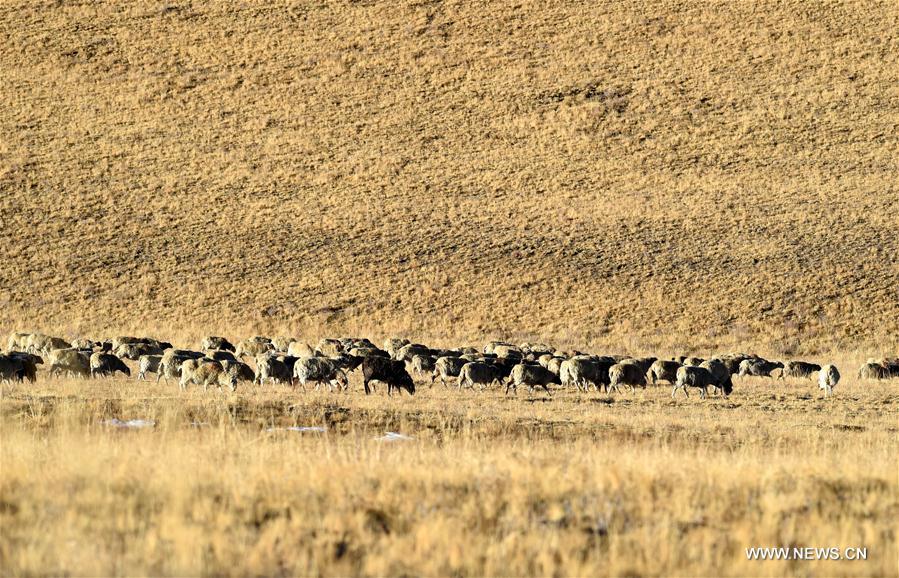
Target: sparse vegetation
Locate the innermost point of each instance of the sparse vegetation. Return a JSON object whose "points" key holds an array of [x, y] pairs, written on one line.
{"points": [[490, 485]]}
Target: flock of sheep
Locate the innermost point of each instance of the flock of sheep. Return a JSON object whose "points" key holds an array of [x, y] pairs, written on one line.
{"points": [[219, 363]]}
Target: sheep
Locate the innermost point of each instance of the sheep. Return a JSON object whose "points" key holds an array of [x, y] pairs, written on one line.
{"points": [[492, 345], [508, 351], [147, 364], [828, 378], [628, 374], [732, 362], [447, 367], [71, 361], [253, 346], [134, 350], [185, 353], [564, 373], [329, 347], [539, 349], [799, 369], [583, 372], [690, 376], [503, 366], [216, 343], [393, 344], [882, 368], [298, 349], [38, 343], [320, 370], [121, 340], [367, 351], [720, 374], [531, 376], [421, 365], [644, 363], [171, 361], [19, 365], [274, 368], [758, 367], [445, 353], [153, 343], [221, 355], [555, 365], [354, 342], [663, 370], [892, 365], [107, 364], [873, 371], [389, 371], [11, 369], [82, 343], [347, 362], [205, 372], [477, 372], [17, 342], [240, 370], [282, 343], [410, 350]]}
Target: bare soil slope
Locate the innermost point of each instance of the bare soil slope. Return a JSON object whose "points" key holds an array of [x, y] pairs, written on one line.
{"points": [[694, 173]]}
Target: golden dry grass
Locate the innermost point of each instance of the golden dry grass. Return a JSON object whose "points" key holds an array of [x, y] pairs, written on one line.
{"points": [[691, 173], [623, 177], [577, 485]]}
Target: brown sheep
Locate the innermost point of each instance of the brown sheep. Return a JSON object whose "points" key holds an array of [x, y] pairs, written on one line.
{"points": [[873, 371], [628, 374], [663, 370]]}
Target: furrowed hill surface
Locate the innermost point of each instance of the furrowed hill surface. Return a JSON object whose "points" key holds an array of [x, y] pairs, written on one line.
{"points": [[681, 173]]}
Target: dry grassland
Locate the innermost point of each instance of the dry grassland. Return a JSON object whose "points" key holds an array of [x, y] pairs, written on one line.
{"points": [[576, 485], [639, 177], [675, 173]]}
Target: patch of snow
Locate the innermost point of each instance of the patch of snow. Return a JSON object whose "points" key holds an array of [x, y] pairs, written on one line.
{"points": [[392, 436], [312, 429], [131, 423]]}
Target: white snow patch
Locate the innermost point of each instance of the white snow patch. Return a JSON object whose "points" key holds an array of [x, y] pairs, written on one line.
{"points": [[131, 423], [392, 436]]}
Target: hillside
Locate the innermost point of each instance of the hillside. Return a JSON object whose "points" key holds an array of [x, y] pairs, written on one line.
{"points": [[631, 174]]}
